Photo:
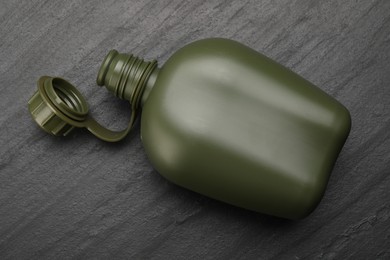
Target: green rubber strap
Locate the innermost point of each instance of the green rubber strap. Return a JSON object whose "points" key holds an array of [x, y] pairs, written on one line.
{"points": [[58, 107], [106, 134]]}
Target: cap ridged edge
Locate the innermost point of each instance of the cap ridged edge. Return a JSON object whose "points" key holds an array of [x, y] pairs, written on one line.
{"points": [[46, 118]]}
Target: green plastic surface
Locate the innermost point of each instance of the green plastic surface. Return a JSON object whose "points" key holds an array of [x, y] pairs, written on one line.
{"points": [[229, 123]]}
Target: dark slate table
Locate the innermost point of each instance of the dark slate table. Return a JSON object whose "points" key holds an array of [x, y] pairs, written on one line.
{"points": [[78, 197]]}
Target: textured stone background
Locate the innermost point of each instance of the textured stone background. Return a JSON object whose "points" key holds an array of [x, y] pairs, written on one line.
{"points": [[79, 197]]}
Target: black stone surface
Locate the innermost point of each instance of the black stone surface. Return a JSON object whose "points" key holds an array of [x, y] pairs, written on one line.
{"points": [[78, 197]]}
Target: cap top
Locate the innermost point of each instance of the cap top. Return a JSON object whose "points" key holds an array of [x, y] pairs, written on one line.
{"points": [[58, 107]]}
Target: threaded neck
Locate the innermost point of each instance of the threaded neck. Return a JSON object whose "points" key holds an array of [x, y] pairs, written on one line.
{"points": [[125, 75]]}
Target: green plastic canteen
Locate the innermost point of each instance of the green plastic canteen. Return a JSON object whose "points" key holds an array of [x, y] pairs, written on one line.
{"points": [[220, 119]]}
